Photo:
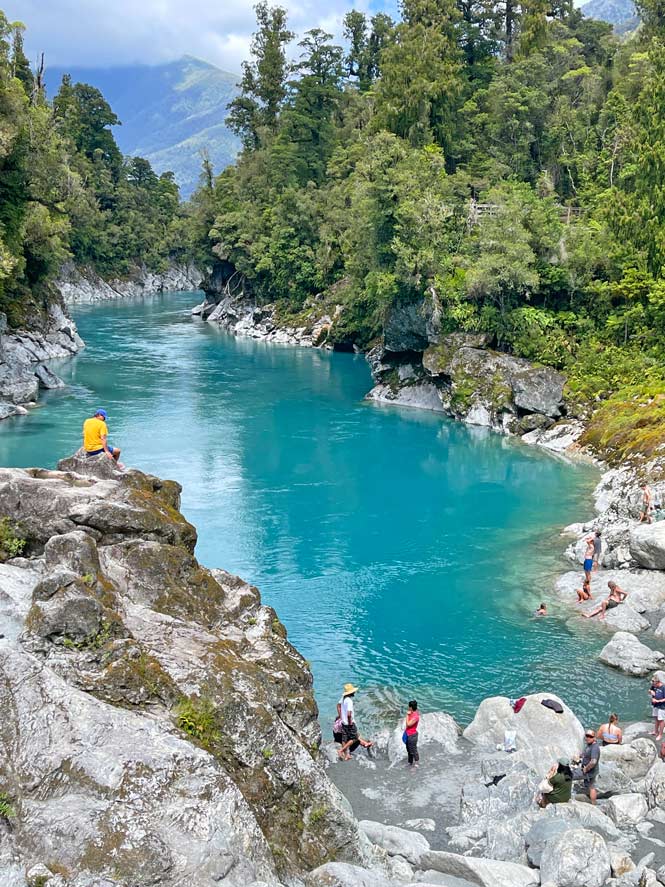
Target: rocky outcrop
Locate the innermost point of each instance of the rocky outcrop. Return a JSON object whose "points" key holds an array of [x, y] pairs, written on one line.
{"points": [[85, 285], [158, 727], [647, 545], [22, 355], [241, 315], [629, 655], [540, 732], [469, 381]]}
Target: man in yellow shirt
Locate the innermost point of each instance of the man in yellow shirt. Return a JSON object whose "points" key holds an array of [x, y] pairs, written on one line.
{"points": [[95, 438]]}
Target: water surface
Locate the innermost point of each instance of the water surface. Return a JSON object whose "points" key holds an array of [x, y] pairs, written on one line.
{"points": [[403, 552]]}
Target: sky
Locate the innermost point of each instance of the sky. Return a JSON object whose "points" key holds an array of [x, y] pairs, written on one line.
{"points": [[103, 33]]}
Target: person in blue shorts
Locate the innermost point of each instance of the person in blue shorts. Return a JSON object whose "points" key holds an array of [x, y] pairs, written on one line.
{"points": [[588, 557]]}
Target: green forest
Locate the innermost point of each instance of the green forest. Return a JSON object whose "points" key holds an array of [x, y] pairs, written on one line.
{"points": [[66, 192], [508, 157]]}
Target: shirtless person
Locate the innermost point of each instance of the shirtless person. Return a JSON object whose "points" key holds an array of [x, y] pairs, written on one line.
{"points": [[614, 598], [647, 506], [588, 557]]}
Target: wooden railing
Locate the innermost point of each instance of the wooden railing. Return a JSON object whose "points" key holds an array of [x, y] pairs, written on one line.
{"points": [[477, 211]]}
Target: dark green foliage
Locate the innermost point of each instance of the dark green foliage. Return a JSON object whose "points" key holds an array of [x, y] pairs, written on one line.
{"points": [[66, 192], [503, 161]]}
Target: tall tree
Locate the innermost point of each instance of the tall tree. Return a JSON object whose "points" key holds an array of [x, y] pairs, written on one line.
{"points": [[264, 82], [421, 87]]}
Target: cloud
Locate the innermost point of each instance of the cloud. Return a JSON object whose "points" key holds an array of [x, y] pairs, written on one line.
{"points": [[113, 32]]}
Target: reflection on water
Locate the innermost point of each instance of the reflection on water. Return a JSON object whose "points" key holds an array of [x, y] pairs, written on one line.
{"points": [[403, 552]]}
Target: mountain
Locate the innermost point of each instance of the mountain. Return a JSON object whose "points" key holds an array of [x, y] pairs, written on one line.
{"points": [[170, 113], [617, 12]]}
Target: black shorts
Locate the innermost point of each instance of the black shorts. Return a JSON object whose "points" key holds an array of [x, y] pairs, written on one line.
{"points": [[350, 732]]}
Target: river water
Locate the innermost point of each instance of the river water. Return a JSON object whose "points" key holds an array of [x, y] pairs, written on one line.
{"points": [[403, 552]]}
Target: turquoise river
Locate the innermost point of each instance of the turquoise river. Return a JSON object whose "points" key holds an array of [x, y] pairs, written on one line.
{"points": [[403, 552]]}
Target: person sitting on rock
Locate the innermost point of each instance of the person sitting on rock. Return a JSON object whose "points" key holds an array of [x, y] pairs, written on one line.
{"points": [[560, 777], [613, 599], [584, 593], [611, 733], [95, 438]]}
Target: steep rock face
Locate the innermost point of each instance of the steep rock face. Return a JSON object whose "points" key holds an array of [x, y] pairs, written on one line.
{"points": [[473, 383], [85, 285], [22, 353], [157, 725]]}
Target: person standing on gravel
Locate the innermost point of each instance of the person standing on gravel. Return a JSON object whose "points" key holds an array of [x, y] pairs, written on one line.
{"points": [[647, 505], [411, 733], [352, 738], [589, 761], [597, 549], [658, 701]]}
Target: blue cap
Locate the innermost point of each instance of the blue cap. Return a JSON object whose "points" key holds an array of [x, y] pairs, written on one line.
{"points": [[101, 413]]}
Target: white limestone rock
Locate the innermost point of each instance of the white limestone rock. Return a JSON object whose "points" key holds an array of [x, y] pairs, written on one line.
{"points": [[421, 395], [576, 858], [625, 618], [542, 734], [437, 729], [623, 767], [627, 810], [396, 841], [629, 655], [482, 872], [654, 783], [647, 545]]}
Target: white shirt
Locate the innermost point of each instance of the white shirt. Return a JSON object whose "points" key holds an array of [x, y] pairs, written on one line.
{"points": [[347, 708]]}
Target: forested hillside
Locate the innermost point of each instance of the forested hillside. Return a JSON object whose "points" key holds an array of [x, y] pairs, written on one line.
{"points": [[66, 191], [508, 157], [170, 113]]}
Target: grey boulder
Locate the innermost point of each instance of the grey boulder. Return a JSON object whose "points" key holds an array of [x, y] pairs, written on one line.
{"points": [[623, 767], [647, 545], [631, 656], [542, 735], [576, 858], [436, 729], [396, 841], [483, 872], [627, 810]]}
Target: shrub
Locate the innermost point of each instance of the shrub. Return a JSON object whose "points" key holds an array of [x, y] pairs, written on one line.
{"points": [[12, 544], [197, 718]]}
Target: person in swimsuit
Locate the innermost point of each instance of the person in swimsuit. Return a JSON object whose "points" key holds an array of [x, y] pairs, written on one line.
{"points": [[541, 611], [645, 515], [614, 598], [588, 557], [610, 733], [583, 593]]}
